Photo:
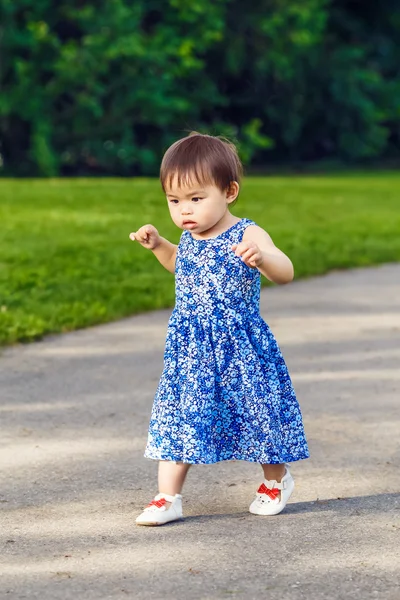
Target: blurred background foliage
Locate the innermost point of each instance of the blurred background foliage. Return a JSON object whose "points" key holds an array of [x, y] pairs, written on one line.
{"points": [[103, 87]]}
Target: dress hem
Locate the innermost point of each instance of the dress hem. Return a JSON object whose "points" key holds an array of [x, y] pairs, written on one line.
{"points": [[260, 461]]}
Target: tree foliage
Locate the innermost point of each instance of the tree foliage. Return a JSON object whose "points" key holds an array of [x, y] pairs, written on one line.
{"points": [[104, 86]]}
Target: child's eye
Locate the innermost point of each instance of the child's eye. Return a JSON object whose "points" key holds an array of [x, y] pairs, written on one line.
{"points": [[174, 201], [196, 199]]}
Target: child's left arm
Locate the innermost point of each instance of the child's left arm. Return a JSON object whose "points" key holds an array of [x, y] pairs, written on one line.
{"points": [[257, 250]]}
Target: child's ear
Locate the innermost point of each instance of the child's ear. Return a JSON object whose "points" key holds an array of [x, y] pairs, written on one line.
{"points": [[232, 191]]}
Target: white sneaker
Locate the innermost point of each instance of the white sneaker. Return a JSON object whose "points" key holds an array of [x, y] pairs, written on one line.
{"points": [[156, 512], [267, 501]]}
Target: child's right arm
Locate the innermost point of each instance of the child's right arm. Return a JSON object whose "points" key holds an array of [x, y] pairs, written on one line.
{"points": [[163, 250]]}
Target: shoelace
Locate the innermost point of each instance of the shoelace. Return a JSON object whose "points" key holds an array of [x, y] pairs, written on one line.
{"points": [[157, 503], [273, 494]]}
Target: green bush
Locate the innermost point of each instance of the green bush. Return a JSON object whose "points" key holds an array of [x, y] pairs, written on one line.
{"points": [[104, 88]]}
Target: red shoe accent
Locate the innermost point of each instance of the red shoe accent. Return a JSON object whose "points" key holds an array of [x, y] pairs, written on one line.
{"points": [[273, 494], [159, 503]]}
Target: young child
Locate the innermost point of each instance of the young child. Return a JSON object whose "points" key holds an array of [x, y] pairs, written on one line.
{"points": [[225, 392]]}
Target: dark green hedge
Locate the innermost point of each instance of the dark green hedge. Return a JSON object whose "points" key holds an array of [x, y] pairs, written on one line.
{"points": [[104, 87]]}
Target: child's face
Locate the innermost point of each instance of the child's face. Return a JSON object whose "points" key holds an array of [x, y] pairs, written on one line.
{"points": [[198, 207]]}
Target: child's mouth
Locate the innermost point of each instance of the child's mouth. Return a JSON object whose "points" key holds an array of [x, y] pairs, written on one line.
{"points": [[189, 224]]}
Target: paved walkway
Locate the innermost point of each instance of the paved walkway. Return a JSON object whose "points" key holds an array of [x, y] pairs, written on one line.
{"points": [[74, 413]]}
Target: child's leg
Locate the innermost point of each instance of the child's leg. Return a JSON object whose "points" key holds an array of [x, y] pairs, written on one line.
{"points": [[167, 504], [171, 476], [274, 472]]}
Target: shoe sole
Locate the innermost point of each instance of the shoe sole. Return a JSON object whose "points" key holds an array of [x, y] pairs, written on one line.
{"points": [[152, 524]]}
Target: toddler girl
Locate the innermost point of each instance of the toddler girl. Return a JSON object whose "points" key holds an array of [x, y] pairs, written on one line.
{"points": [[225, 391]]}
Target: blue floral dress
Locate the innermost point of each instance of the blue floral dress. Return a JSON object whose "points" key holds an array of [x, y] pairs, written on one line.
{"points": [[225, 391]]}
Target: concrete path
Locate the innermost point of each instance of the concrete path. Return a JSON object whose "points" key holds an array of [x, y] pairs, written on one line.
{"points": [[74, 413]]}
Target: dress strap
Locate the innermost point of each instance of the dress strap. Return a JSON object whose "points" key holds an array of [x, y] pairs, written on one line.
{"points": [[237, 233]]}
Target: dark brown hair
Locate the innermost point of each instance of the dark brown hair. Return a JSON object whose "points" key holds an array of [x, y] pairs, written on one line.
{"points": [[201, 158]]}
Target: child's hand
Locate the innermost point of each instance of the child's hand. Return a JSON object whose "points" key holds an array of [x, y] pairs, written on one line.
{"points": [[250, 253], [147, 236]]}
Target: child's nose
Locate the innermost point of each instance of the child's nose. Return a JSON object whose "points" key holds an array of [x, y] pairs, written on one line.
{"points": [[186, 210]]}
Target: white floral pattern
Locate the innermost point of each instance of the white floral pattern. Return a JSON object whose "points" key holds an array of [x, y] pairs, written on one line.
{"points": [[225, 392]]}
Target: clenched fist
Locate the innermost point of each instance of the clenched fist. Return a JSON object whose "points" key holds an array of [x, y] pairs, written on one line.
{"points": [[147, 236], [249, 252]]}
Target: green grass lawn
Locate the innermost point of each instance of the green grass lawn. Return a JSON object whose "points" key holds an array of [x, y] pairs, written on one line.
{"points": [[66, 261]]}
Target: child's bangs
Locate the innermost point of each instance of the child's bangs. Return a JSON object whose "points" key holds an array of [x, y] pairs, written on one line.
{"points": [[190, 177]]}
